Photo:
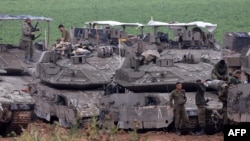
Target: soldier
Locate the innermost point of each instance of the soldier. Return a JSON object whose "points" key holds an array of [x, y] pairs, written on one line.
{"points": [[180, 114], [222, 95], [65, 34], [26, 41], [236, 78], [201, 105], [64, 42], [222, 89], [220, 71]]}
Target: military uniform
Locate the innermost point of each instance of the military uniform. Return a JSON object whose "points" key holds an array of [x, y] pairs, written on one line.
{"points": [[180, 113], [220, 72], [234, 80], [64, 45], [66, 35], [223, 97], [201, 106], [26, 41]]}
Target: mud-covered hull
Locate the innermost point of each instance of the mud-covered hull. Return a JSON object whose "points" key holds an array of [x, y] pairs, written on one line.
{"points": [[66, 106], [157, 87], [152, 110], [238, 106]]}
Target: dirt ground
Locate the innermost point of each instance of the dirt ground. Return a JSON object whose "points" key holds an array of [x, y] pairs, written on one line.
{"points": [[45, 130]]}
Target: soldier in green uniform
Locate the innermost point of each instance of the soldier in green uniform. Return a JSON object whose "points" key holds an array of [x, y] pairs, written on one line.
{"points": [[179, 98], [235, 79], [222, 95], [220, 71], [26, 41], [65, 34], [201, 105], [64, 42]]}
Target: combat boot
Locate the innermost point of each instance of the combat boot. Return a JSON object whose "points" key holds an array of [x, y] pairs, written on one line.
{"points": [[202, 132], [178, 131], [26, 60]]}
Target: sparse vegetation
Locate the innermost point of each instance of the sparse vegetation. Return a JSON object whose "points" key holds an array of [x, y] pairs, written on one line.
{"points": [[92, 132], [47, 133], [133, 135], [229, 15]]}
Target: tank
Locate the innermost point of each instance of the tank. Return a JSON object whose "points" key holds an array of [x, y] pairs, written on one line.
{"points": [[16, 103], [16, 106], [151, 83], [149, 74], [235, 49], [237, 54], [67, 87]]}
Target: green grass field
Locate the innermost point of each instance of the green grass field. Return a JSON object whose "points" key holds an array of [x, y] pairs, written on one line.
{"points": [[229, 15]]}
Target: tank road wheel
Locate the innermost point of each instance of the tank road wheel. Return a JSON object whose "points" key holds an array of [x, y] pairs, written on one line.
{"points": [[193, 122], [214, 124], [193, 125], [5, 116], [19, 121]]}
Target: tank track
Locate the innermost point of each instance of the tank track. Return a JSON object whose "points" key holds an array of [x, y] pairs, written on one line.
{"points": [[20, 121], [193, 122]]}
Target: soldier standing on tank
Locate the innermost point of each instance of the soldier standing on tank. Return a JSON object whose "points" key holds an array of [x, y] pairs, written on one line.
{"points": [[180, 114], [26, 41], [201, 105], [236, 78], [220, 71]]}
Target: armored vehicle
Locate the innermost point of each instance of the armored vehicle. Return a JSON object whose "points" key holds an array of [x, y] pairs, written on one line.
{"points": [[151, 66], [236, 52], [194, 35], [147, 88], [235, 49], [148, 76], [236, 41], [71, 81], [16, 105]]}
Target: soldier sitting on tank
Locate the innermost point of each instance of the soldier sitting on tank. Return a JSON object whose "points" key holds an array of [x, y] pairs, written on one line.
{"points": [[236, 77], [64, 42], [220, 71], [180, 115]]}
